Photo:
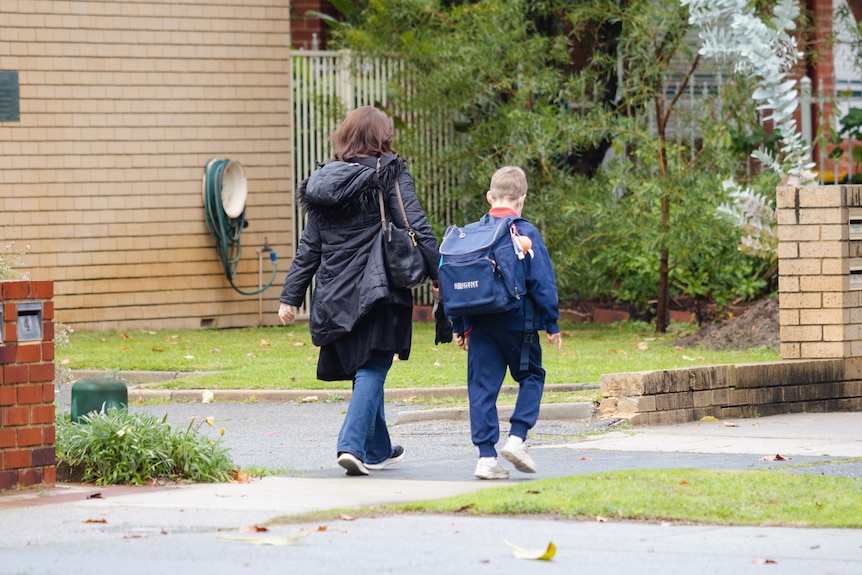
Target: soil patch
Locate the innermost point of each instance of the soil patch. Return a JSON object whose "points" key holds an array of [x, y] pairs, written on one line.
{"points": [[758, 326]]}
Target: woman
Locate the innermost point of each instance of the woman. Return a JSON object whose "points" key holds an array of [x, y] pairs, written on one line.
{"points": [[358, 321]]}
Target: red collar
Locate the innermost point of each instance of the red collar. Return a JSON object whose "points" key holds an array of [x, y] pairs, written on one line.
{"points": [[502, 212]]}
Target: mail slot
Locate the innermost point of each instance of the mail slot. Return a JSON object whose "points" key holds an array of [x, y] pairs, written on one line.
{"points": [[855, 223], [29, 321], [856, 274]]}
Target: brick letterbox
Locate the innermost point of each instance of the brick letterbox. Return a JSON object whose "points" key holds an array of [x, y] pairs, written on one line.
{"points": [[27, 431]]}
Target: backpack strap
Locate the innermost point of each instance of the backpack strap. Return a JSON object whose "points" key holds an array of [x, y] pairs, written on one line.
{"points": [[529, 333]]}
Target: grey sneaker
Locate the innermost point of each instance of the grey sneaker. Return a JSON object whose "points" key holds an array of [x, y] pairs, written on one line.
{"points": [[397, 455], [485, 470], [352, 464], [517, 455]]}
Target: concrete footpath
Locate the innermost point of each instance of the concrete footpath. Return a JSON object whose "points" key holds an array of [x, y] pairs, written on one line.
{"points": [[210, 528]]}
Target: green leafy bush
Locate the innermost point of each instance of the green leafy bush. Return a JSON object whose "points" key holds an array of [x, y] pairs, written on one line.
{"points": [[119, 447]]}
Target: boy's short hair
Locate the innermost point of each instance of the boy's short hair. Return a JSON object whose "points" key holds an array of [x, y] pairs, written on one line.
{"points": [[508, 183]]}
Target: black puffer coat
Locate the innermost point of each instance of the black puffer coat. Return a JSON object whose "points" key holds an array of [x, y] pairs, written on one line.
{"points": [[354, 312]]}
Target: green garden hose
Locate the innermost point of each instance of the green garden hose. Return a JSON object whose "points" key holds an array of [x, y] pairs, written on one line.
{"points": [[225, 227]]}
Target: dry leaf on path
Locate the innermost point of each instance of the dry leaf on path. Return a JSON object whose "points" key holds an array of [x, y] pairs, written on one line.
{"points": [[708, 418], [252, 529], [776, 457], [730, 424], [95, 521], [545, 554]]}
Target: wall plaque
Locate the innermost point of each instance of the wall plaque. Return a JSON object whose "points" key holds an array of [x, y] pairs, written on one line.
{"points": [[10, 97]]}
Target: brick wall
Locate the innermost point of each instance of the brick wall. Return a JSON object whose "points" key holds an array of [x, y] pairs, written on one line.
{"points": [[819, 312], [304, 26], [26, 388], [121, 106]]}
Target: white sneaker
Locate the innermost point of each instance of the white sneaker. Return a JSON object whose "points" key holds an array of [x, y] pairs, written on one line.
{"points": [[352, 464], [488, 468], [515, 452]]}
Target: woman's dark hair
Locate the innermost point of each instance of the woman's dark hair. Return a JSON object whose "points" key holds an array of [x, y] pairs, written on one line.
{"points": [[365, 132]]}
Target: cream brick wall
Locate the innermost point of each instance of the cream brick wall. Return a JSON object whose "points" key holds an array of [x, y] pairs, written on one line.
{"points": [[820, 316], [122, 104]]}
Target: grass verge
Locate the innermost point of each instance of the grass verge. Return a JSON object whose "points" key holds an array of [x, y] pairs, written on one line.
{"points": [[763, 498]]}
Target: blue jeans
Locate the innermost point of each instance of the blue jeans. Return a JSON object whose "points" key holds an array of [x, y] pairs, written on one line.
{"points": [[364, 432]]}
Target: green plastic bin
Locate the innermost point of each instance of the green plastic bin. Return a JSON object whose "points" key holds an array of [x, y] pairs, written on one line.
{"points": [[94, 394]]}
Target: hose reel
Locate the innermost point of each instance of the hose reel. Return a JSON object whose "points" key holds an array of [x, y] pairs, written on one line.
{"points": [[224, 190]]}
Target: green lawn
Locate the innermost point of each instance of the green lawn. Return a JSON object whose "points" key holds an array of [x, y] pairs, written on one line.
{"points": [[284, 358]]}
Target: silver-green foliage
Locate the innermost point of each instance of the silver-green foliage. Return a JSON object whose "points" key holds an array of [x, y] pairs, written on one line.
{"points": [[766, 52], [118, 447]]}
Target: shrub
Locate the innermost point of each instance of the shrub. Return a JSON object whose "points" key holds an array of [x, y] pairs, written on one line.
{"points": [[119, 447]]}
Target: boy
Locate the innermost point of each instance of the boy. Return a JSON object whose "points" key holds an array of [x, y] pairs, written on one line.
{"points": [[496, 342]]}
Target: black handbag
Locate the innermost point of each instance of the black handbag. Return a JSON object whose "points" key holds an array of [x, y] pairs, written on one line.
{"points": [[405, 265]]}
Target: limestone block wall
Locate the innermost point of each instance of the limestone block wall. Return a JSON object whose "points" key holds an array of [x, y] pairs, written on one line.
{"points": [[732, 391]]}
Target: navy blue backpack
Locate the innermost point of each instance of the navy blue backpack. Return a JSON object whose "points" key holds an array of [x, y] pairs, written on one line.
{"points": [[482, 268]]}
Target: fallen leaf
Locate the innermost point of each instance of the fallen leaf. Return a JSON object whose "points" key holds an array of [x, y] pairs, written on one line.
{"points": [[600, 519], [240, 476], [175, 336], [65, 362], [124, 336], [281, 541], [215, 350], [545, 554], [619, 351], [96, 495], [134, 536], [346, 517], [683, 482], [685, 357], [642, 346], [263, 342], [96, 520], [708, 418], [252, 529], [776, 457], [321, 527], [730, 424], [765, 562], [298, 344], [251, 354], [309, 399]]}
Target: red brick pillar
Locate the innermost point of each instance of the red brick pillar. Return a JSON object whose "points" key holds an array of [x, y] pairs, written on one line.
{"points": [[27, 430]]}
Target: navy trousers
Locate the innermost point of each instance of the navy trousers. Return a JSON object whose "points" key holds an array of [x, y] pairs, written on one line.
{"points": [[490, 352]]}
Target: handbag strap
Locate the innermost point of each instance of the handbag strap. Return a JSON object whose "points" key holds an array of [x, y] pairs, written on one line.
{"points": [[410, 231]]}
